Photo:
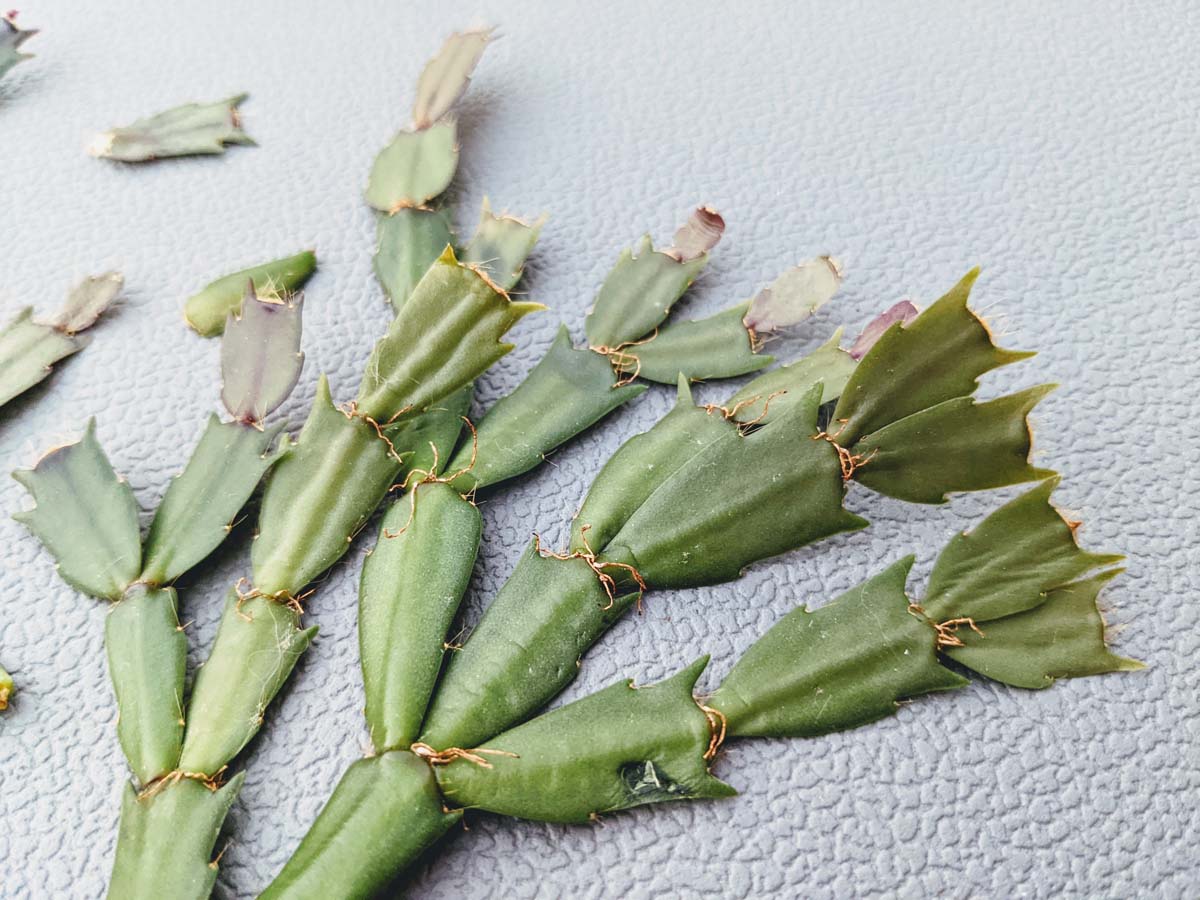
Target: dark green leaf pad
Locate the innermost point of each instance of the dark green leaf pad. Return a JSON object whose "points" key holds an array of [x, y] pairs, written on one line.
{"points": [[642, 464], [794, 296], [427, 441], [207, 311], [618, 748], [194, 129], [86, 516], [716, 347], [147, 660], [408, 242], [567, 392], [639, 292], [384, 813], [848, 663], [958, 445], [319, 496], [11, 39], [200, 505], [256, 647], [525, 649], [1061, 638], [167, 836], [260, 355], [500, 246], [938, 356], [28, 349], [1010, 561], [744, 497], [412, 584], [775, 392], [448, 335]]}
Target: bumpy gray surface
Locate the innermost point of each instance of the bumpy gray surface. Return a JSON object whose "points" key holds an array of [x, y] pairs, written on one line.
{"points": [[1054, 144]]}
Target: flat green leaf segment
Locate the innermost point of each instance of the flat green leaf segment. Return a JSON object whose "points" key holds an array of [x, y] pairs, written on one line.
{"points": [[744, 497], [618, 748], [937, 357], [567, 392], [776, 392], [500, 246], [414, 168], [166, 841], [408, 242], [427, 442], [907, 421], [207, 311], [385, 812], [319, 496], [11, 39], [28, 349], [448, 335], [1062, 638], [1010, 561], [445, 77], [194, 129], [846, 664], [257, 645], [260, 355], [86, 516], [200, 505], [147, 660], [524, 650], [716, 347], [412, 584]]}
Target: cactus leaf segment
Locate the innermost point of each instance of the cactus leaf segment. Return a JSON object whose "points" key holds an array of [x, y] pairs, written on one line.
{"points": [[902, 312], [794, 296], [260, 355], [427, 442], [500, 246], [524, 650], [618, 748], [147, 661], [200, 505], [566, 393], [844, 665], [776, 391], [86, 516], [445, 77], [28, 349], [716, 347], [414, 168], [384, 813], [938, 356], [207, 311], [257, 645], [408, 242], [11, 39], [194, 129], [449, 334], [167, 836], [412, 584]]}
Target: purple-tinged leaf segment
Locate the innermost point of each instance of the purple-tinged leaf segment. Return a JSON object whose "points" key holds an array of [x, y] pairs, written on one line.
{"points": [[902, 312], [698, 235], [260, 355]]}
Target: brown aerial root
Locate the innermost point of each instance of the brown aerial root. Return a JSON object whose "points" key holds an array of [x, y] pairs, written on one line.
{"points": [[622, 362], [731, 413], [718, 727], [212, 782], [430, 476], [450, 754], [589, 556], [848, 461], [292, 602], [947, 631], [351, 411]]}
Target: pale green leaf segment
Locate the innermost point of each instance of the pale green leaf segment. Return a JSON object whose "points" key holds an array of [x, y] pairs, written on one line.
{"points": [[28, 348], [207, 311], [88, 519], [412, 171], [11, 39], [194, 129]]}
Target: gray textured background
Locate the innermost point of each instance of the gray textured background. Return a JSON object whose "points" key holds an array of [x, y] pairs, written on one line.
{"points": [[1052, 143]]}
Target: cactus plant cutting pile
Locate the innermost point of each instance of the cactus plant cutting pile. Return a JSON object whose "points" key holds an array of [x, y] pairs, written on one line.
{"points": [[706, 492]]}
